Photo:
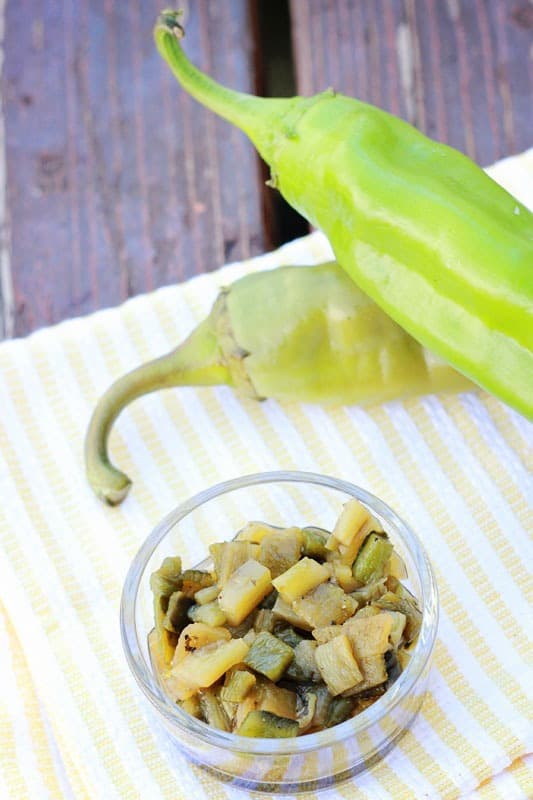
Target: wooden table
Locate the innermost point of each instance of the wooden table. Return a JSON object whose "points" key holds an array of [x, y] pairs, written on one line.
{"points": [[117, 182]]}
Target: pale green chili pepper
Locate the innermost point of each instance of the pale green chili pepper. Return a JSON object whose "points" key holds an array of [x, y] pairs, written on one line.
{"points": [[292, 333], [440, 246]]}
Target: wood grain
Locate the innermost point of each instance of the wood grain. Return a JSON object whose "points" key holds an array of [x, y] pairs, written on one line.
{"points": [[117, 182], [7, 302], [460, 70]]}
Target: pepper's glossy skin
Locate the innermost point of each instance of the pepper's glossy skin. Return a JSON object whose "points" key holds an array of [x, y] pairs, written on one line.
{"points": [[441, 247], [312, 336], [292, 333]]}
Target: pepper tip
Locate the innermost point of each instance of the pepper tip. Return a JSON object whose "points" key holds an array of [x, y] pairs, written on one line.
{"points": [[111, 487], [113, 497], [169, 19]]}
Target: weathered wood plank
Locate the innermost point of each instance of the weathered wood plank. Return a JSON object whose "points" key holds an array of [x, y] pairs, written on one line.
{"points": [[7, 304], [460, 70], [117, 182]]}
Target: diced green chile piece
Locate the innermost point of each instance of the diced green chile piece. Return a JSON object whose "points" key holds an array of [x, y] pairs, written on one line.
{"points": [[192, 706], [295, 672], [238, 631], [268, 726], [209, 614], [264, 620], [287, 634], [212, 710], [370, 591], [372, 558], [163, 583], [391, 602], [269, 656], [229, 556], [372, 693], [393, 666], [269, 600], [238, 686], [303, 668], [306, 704], [326, 604], [280, 550], [192, 580], [339, 710], [314, 543], [398, 588], [176, 616], [323, 702], [207, 594], [167, 579]]}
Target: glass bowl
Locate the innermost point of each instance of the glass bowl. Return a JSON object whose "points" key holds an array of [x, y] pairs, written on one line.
{"points": [[314, 760]]}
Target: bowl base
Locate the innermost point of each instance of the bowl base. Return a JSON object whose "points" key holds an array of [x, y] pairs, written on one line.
{"points": [[302, 787]]}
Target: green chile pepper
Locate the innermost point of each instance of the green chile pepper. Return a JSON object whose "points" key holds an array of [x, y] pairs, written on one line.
{"points": [[439, 245], [291, 333]]}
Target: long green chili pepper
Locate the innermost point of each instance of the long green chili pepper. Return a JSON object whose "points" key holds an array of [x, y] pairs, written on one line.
{"points": [[440, 246], [291, 333]]}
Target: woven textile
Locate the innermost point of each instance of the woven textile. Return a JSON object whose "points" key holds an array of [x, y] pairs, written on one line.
{"points": [[458, 469]]}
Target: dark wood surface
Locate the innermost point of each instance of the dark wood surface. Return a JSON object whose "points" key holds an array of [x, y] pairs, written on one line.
{"points": [[460, 70], [118, 183]]}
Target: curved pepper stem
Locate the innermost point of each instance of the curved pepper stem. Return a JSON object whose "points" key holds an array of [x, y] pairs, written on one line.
{"points": [[259, 117], [198, 361], [234, 106]]}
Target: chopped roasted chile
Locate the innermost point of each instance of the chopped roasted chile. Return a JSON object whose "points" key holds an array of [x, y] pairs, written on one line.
{"points": [[281, 649]]}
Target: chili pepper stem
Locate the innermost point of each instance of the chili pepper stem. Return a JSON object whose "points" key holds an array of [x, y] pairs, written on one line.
{"points": [[258, 117], [198, 361]]}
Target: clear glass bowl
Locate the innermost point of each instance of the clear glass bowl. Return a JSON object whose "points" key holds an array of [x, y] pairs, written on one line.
{"points": [[277, 765]]}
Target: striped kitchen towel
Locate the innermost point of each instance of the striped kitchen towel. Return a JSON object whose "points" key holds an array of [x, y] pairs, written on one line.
{"points": [[72, 722]]}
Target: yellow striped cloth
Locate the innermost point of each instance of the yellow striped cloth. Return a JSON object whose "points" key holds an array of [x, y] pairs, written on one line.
{"points": [[457, 468]]}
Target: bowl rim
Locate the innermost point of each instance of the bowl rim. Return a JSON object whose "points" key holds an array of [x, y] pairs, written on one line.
{"points": [[177, 718]]}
